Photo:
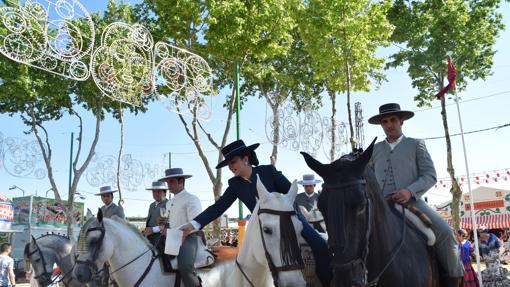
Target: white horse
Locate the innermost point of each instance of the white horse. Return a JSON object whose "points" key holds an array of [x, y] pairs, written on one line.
{"points": [[133, 260], [46, 251], [316, 220], [273, 228]]}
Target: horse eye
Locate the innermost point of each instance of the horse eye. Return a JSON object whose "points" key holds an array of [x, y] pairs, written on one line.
{"points": [[38, 260], [267, 230], [361, 209]]}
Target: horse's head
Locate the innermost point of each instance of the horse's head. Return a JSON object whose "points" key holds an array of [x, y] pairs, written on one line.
{"points": [[42, 259], [345, 205], [280, 233], [93, 249]]}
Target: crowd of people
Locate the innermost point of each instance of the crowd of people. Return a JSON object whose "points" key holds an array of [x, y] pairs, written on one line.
{"points": [[492, 248]]}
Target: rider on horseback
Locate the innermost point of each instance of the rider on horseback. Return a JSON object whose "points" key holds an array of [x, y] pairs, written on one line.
{"points": [[308, 198], [405, 171], [182, 208], [109, 208]]}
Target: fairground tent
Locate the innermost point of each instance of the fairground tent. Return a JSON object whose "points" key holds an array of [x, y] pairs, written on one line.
{"points": [[492, 208]]}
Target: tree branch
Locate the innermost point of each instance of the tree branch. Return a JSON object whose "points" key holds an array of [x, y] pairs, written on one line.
{"points": [[209, 136], [80, 141], [46, 154]]}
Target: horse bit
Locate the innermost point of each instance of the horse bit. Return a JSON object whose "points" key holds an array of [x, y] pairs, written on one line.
{"points": [[272, 267]]}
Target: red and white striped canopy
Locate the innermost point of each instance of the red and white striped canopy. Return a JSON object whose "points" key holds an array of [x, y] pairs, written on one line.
{"points": [[491, 221]]}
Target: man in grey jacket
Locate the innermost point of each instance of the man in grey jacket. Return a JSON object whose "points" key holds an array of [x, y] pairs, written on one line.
{"points": [[405, 171], [109, 208]]}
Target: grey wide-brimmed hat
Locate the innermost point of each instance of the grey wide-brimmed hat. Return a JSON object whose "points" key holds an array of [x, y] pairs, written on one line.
{"points": [[106, 189], [158, 185], [390, 109], [173, 173], [309, 179]]}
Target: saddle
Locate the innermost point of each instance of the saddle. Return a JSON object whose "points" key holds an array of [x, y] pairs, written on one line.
{"points": [[203, 258], [419, 220]]}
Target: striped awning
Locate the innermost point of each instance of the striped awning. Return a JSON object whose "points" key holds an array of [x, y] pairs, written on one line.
{"points": [[491, 221]]}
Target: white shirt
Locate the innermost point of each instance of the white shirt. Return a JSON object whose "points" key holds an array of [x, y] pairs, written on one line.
{"points": [[182, 208], [394, 144]]}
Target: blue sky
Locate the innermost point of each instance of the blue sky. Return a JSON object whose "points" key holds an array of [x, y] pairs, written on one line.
{"points": [[150, 136]]}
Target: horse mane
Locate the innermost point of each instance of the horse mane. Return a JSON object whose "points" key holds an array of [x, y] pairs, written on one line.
{"points": [[375, 194], [133, 228], [26, 250]]}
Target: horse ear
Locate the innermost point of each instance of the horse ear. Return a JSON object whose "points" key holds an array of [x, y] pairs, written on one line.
{"points": [[364, 158], [89, 214], [291, 194], [100, 215], [261, 189], [314, 164]]}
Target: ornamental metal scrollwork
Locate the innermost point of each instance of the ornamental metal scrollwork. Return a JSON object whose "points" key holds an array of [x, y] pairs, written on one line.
{"points": [[301, 131], [52, 35], [340, 141], [133, 173], [102, 171], [122, 65], [22, 158], [311, 132], [182, 79]]}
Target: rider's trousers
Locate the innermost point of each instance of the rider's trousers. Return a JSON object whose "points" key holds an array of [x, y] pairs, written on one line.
{"points": [[320, 252], [186, 258], [447, 251]]}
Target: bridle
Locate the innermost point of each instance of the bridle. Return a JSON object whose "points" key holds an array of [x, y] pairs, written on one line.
{"points": [[360, 262], [46, 275], [90, 263], [299, 265]]}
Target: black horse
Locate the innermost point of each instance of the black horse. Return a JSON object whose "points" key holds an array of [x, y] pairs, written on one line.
{"points": [[369, 243]]}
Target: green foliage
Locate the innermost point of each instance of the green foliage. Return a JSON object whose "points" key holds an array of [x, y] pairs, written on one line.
{"points": [[431, 28], [343, 31]]}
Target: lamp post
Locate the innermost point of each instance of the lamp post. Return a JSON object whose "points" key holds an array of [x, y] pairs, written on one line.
{"points": [[46, 196], [80, 196], [17, 187]]}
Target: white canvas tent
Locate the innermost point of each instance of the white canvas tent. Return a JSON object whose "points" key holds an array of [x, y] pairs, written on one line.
{"points": [[491, 207]]}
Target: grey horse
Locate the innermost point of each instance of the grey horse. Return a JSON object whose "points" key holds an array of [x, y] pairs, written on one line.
{"points": [[51, 249]]}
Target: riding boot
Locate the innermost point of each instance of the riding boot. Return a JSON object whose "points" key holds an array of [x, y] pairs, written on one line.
{"points": [[453, 282]]}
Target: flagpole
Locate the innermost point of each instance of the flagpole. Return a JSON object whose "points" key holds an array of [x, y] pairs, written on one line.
{"points": [[472, 211]]}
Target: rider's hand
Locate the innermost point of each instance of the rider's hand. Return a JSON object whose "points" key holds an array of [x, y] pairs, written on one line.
{"points": [[163, 230], [161, 220], [147, 231], [224, 252], [186, 230], [402, 196]]}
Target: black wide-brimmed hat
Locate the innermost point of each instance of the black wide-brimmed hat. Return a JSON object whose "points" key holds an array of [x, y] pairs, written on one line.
{"points": [[390, 109], [235, 148]]}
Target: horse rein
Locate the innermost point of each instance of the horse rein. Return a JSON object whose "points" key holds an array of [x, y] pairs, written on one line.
{"points": [[362, 260], [272, 267]]}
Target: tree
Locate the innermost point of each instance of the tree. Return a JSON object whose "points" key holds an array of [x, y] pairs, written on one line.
{"points": [[430, 29], [224, 33], [39, 97], [342, 37]]}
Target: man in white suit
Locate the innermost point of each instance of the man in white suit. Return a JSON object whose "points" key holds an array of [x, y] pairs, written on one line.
{"points": [[181, 209]]}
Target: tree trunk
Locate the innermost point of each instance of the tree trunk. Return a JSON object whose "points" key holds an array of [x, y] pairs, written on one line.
{"points": [[332, 152], [455, 189], [78, 172], [276, 132], [349, 112], [193, 135]]}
